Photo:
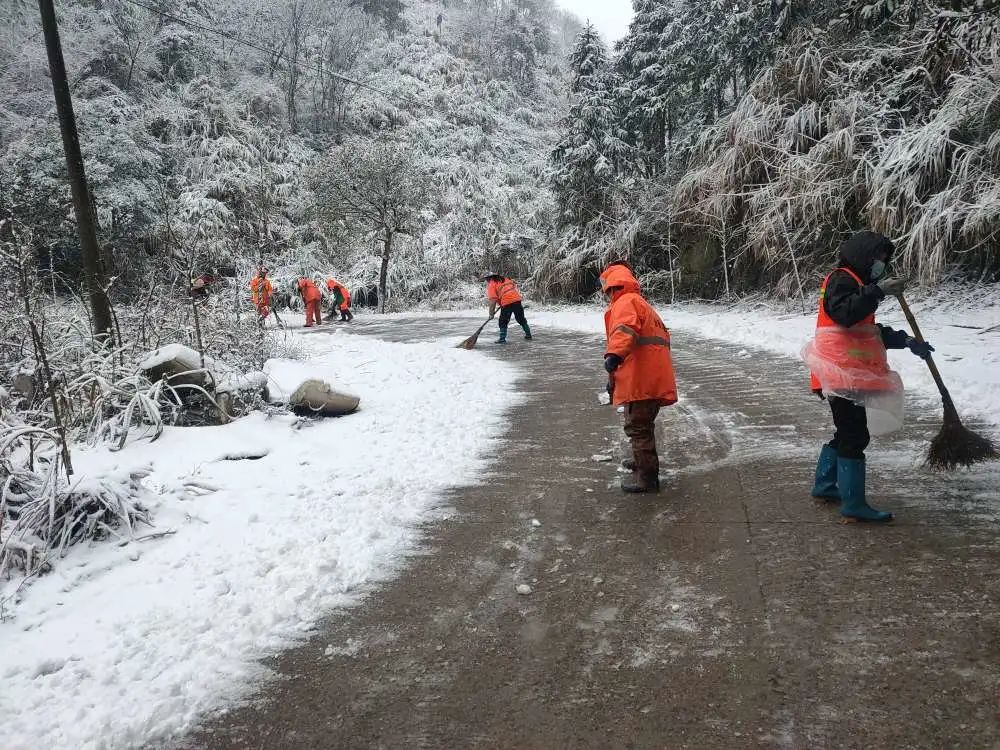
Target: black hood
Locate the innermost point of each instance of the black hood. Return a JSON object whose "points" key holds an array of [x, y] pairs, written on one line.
{"points": [[860, 250]]}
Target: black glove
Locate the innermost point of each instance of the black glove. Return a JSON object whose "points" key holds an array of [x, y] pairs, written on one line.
{"points": [[611, 389], [892, 287], [819, 393], [612, 362], [921, 348]]}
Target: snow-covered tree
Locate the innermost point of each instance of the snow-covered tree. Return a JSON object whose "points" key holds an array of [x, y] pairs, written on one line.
{"points": [[590, 154], [378, 190]]}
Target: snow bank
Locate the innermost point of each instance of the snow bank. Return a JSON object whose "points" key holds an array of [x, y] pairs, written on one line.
{"points": [[951, 320], [276, 521]]}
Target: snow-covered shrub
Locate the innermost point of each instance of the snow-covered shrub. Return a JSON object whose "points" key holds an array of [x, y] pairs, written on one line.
{"points": [[43, 511]]}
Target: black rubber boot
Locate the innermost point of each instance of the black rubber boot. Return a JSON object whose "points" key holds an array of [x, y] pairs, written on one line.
{"points": [[639, 483]]}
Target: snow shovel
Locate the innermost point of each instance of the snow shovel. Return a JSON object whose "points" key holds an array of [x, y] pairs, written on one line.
{"points": [[955, 445], [470, 343]]}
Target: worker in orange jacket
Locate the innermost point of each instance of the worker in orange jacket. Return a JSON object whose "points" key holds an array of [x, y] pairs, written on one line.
{"points": [[640, 371], [849, 366], [341, 297], [312, 297], [260, 293], [502, 292]]}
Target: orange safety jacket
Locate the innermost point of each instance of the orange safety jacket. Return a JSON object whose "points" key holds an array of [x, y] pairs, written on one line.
{"points": [[503, 292], [333, 285], [637, 334], [260, 293], [309, 291], [853, 359]]}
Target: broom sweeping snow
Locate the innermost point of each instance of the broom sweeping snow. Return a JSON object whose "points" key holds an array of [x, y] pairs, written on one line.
{"points": [[470, 343], [955, 445]]}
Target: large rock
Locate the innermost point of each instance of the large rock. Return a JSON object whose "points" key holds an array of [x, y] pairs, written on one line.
{"points": [[318, 397], [236, 393], [178, 363]]}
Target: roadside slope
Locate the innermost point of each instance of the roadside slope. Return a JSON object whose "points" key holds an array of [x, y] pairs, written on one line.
{"points": [[261, 527]]}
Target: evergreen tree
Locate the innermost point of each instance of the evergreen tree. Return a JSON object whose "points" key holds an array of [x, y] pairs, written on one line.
{"points": [[684, 63], [591, 153], [650, 67], [389, 12]]}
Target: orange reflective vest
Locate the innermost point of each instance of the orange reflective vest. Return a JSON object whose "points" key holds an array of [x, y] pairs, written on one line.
{"points": [[637, 334], [260, 291], [851, 359], [503, 292]]}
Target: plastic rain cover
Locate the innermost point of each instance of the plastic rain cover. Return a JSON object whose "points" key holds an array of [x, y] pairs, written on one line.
{"points": [[851, 363]]}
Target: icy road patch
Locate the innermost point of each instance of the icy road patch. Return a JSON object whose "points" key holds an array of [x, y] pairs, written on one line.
{"points": [[276, 522]]}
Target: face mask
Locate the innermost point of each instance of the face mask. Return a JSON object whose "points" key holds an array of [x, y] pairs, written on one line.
{"points": [[878, 269]]}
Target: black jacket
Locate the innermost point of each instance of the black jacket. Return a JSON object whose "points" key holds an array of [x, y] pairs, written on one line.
{"points": [[846, 301]]}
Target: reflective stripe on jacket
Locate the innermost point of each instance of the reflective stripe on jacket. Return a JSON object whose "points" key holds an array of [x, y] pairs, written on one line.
{"points": [[637, 334], [260, 293], [503, 292]]}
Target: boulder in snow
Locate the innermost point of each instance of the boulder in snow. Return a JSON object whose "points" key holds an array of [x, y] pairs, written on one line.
{"points": [[318, 397], [178, 363], [25, 382], [235, 392]]}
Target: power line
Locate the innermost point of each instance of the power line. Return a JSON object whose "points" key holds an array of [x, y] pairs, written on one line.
{"points": [[269, 52]]}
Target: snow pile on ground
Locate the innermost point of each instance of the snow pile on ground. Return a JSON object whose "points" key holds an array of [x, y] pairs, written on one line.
{"points": [[954, 320], [267, 524]]}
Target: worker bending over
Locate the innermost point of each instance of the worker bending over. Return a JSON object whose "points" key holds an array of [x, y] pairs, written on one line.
{"points": [[341, 301], [502, 292]]}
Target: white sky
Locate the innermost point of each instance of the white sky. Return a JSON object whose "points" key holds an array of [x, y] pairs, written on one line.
{"points": [[611, 17]]}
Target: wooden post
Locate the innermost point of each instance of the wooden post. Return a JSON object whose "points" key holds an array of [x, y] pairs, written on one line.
{"points": [[93, 275]]}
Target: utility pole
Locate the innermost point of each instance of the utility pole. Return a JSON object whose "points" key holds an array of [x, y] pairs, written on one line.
{"points": [[93, 274]]}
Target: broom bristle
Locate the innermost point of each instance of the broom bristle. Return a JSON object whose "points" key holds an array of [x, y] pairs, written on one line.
{"points": [[956, 445]]}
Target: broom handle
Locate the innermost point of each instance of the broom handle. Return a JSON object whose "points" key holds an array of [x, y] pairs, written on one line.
{"points": [[949, 405]]}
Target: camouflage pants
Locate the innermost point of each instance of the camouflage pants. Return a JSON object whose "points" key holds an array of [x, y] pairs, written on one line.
{"points": [[640, 426]]}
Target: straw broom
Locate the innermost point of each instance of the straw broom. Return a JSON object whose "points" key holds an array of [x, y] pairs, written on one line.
{"points": [[955, 445], [470, 343]]}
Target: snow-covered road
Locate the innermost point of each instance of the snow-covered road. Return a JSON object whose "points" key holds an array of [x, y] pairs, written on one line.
{"points": [[731, 610], [126, 645]]}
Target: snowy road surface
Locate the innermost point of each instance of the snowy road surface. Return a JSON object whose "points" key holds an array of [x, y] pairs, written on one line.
{"points": [[729, 611]]}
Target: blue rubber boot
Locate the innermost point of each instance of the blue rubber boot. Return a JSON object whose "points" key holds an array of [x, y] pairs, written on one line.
{"points": [[825, 487], [851, 480], [527, 331], [503, 336]]}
